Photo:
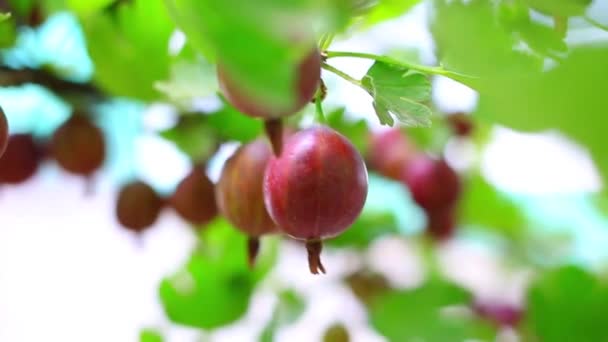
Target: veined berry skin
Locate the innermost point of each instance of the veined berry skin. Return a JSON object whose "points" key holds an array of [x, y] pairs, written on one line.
{"points": [[240, 197], [239, 192], [318, 185]]}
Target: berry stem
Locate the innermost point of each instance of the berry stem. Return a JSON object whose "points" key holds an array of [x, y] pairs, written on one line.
{"points": [[274, 132], [321, 92], [595, 23], [314, 248], [253, 247], [342, 74], [560, 25], [389, 60]]}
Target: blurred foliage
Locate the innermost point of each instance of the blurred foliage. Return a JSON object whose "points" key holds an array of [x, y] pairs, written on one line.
{"points": [[526, 92], [416, 315], [7, 29], [288, 309], [575, 298], [193, 135], [388, 9], [214, 287], [484, 206], [130, 51], [356, 131], [150, 335], [199, 134]]}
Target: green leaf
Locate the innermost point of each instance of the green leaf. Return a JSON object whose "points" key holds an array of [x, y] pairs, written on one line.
{"points": [[8, 32], [431, 139], [213, 289], [87, 7], [356, 131], [567, 304], [189, 79], [194, 136], [289, 308], [21, 8], [416, 315], [398, 91], [567, 97], [453, 25], [129, 48], [230, 124], [567, 8], [514, 16], [150, 335], [389, 9], [543, 39]]}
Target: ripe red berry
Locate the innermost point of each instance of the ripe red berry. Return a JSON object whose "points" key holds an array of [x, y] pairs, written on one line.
{"points": [[316, 188], [78, 146], [239, 193], [433, 183], [306, 84], [389, 152], [503, 314], [138, 206], [441, 223], [3, 132], [461, 124], [194, 198], [20, 160]]}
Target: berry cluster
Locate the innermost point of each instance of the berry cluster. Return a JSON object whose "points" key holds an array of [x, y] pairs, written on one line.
{"points": [[78, 147], [434, 185], [312, 184]]}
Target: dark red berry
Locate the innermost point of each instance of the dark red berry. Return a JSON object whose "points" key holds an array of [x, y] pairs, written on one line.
{"points": [[138, 206], [461, 124], [3, 132], [240, 196], [389, 152], [503, 314], [194, 198], [433, 183], [307, 82], [20, 160], [78, 146], [441, 223], [316, 188]]}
